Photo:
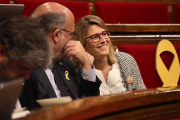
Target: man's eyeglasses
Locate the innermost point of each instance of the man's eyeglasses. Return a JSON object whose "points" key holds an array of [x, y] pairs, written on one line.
{"points": [[96, 37], [72, 34]]}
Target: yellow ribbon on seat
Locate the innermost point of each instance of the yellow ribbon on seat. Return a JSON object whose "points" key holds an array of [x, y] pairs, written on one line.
{"points": [[169, 77]]}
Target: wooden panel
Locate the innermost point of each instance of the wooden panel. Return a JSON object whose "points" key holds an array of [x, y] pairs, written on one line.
{"points": [[148, 113], [168, 28], [119, 40], [150, 103], [124, 34]]}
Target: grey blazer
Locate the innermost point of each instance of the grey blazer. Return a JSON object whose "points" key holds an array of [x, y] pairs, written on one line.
{"points": [[129, 69]]}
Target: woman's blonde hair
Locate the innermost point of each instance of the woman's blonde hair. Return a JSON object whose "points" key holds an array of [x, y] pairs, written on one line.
{"points": [[81, 28]]}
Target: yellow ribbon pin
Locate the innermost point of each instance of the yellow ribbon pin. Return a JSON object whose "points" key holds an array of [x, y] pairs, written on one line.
{"points": [[66, 74], [130, 79]]}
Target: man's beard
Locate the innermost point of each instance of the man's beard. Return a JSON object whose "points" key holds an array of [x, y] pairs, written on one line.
{"points": [[59, 52]]}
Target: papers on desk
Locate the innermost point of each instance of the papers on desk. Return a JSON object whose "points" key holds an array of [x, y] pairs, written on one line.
{"points": [[18, 113], [21, 112], [54, 101]]}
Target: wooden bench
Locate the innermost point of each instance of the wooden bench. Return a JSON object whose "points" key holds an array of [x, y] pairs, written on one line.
{"points": [[147, 104], [144, 104]]}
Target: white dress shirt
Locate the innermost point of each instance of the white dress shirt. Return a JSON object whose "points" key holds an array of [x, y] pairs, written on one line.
{"points": [[114, 81]]}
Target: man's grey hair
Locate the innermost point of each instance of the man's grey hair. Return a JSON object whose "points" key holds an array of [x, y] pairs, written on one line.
{"points": [[50, 21], [23, 39]]}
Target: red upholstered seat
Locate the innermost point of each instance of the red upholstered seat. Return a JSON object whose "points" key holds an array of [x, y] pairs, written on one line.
{"points": [[118, 12], [79, 8], [4, 1], [176, 8], [30, 5], [145, 58]]}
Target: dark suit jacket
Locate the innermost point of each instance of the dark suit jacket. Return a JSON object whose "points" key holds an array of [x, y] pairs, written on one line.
{"points": [[39, 87]]}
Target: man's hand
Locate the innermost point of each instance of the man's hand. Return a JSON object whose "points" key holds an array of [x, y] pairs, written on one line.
{"points": [[90, 57], [75, 48]]}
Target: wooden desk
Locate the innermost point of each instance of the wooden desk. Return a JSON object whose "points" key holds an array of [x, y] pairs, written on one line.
{"points": [[124, 34], [144, 104]]}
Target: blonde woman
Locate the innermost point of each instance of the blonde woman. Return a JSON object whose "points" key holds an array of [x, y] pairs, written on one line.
{"points": [[118, 71]]}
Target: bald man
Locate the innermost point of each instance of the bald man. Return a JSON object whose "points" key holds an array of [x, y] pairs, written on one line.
{"points": [[57, 21]]}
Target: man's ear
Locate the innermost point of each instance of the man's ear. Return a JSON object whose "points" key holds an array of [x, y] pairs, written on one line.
{"points": [[2, 53], [55, 35]]}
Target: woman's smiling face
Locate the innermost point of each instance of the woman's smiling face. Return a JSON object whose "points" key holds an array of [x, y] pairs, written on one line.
{"points": [[100, 48]]}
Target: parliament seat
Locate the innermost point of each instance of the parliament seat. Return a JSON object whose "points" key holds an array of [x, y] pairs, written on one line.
{"points": [[79, 8], [4, 2], [176, 8], [145, 58], [125, 12]]}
